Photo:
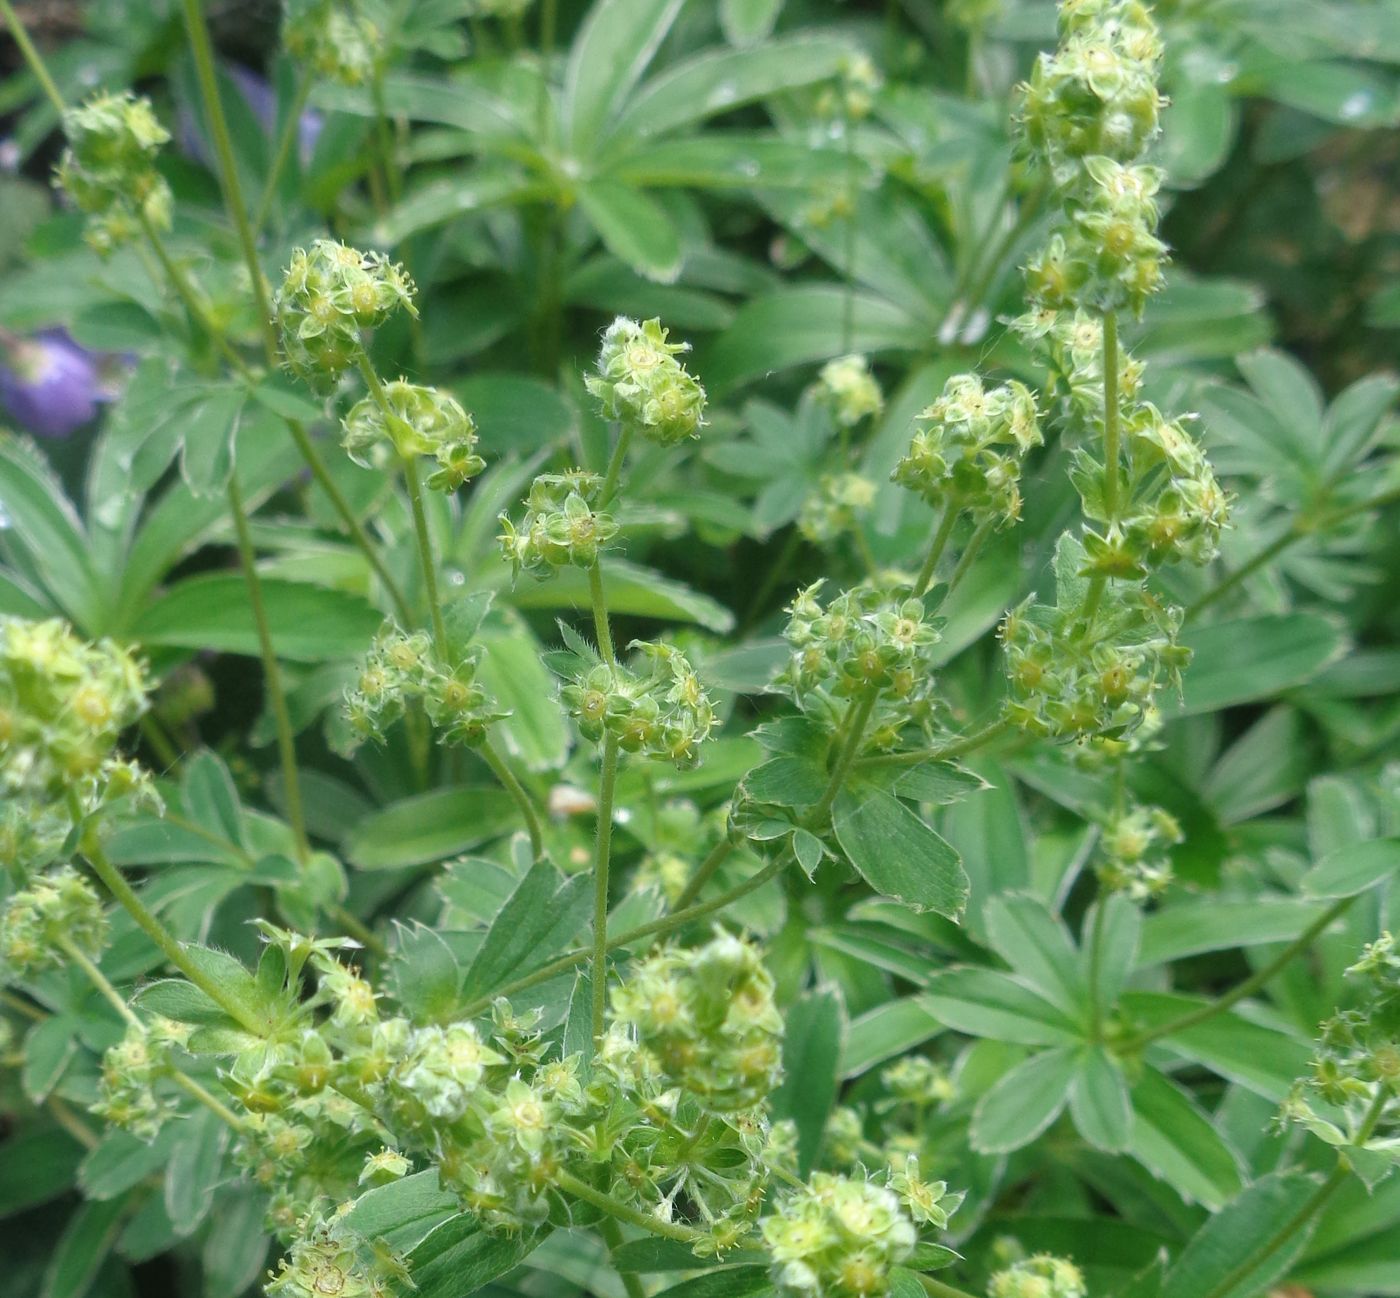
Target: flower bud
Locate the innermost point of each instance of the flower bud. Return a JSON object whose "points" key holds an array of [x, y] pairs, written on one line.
{"points": [[560, 527], [843, 499], [1041, 1276], [60, 904], [850, 391], [332, 39], [641, 384]]}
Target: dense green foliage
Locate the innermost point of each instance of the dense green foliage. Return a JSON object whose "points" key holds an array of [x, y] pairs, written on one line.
{"points": [[700, 649]]}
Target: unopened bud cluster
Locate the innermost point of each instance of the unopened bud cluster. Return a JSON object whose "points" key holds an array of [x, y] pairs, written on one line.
{"points": [[332, 39], [329, 294], [54, 910], [1354, 1089], [660, 711], [402, 668], [128, 1092], [1041, 1276], [561, 527], [841, 501], [414, 421], [108, 168], [63, 703], [328, 1259], [966, 453], [1135, 852], [707, 1020], [642, 385], [849, 390], [852, 95]]}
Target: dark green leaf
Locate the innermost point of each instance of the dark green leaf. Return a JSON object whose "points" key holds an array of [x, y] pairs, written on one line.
{"points": [[1257, 657], [812, 1044], [1353, 868], [1024, 1102], [430, 827], [1099, 1101], [87, 1238]]}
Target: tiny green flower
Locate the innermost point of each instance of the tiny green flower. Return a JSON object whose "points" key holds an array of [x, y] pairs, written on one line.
{"points": [[642, 385]]}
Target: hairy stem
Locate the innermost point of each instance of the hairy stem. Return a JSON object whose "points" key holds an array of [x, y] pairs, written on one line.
{"points": [[1250, 985], [615, 461], [705, 872], [32, 57], [857, 718], [607, 787], [945, 752], [501, 770], [969, 554], [272, 673], [425, 556], [580, 1189], [1111, 436], [935, 550], [97, 978], [600, 613]]}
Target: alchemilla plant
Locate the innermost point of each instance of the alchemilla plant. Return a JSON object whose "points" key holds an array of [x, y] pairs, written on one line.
{"points": [[452, 843]]}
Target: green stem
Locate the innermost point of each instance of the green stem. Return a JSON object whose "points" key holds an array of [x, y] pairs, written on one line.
{"points": [[97, 978], [501, 770], [272, 673], [625, 1212], [22, 1006], [32, 57], [614, 471], [935, 549], [165, 751], [706, 871], [184, 290], [211, 1102], [425, 556], [203, 50], [170, 947], [289, 133], [1298, 1222], [600, 613], [1095, 964], [1247, 988], [607, 787], [969, 554], [612, 1237], [954, 748], [857, 718], [383, 134], [1111, 452], [653, 928]]}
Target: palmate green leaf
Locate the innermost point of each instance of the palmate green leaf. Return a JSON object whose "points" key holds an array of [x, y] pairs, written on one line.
{"points": [[208, 432], [986, 1003], [634, 227], [746, 22], [632, 590], [39, 1164], [403, 1213], [1037, 945], [195, 1169], [458, 1257], [430, 827], [1257, 657], [726, 160], [886, 1031], [1192, 927], [49, 1046], [735, 1282], [537, 921], [619, 38], [1120, 936], [122, 1161], [516, 411], [1353, 868], [234, 1252], [787, 781], [896, 853], [511, 672], [814, 1028], [19, 599], [1024, 1102], [1174, 1138], [423, 973], [1241, 1231], [86, 1241], [441, 202], [211, 798], [308, 623], [718, 81], [1354, 419], [1099, 1102]]}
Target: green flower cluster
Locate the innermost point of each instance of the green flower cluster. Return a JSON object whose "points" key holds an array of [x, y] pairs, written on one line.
{"points": [[662, 712], [63, 703], [967, 452], [58, 905], [838, 1237], [108, 168], [418, 421], [130, 1071], [642, 385], [849, 390], [1069, 680], [1353, 1094], [842, 500], [328, 295], [561, 528], [329, 1259], [706, 1019], [1134, 852], [1089, 111], [332, 39], [867, 641], [403, 667], [852, 95], [1041, 1276]]}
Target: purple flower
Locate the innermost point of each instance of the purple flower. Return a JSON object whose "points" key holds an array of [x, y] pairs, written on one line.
{"points": [[48, 383]]}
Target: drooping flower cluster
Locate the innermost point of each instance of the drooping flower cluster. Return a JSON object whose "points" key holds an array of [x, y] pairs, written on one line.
{"points": [[330, 1259], [1041, 1276], [418, 421], [842, 500], [707, 1021], [839, 1237], [1134, 851], [108, 168], [1353, 1094], [403, 667], [330, 293], [849, 390], [662, 711], [642, 385], [63, 703], [54, 909], [332, 39], [967, 451], [866, 641], [561, 526]]}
